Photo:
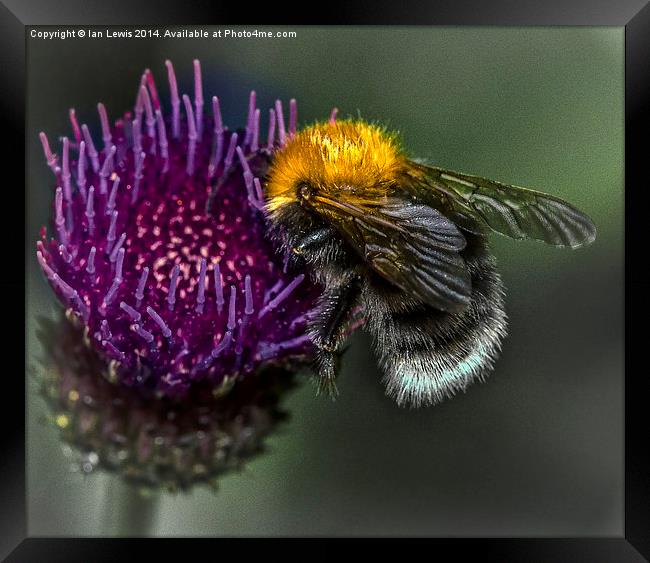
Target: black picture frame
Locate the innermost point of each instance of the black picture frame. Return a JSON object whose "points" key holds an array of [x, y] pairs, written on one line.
{"points": [[16, 15]]}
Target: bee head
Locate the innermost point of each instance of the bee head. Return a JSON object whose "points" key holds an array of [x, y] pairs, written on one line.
{"points": [[348, 161]]}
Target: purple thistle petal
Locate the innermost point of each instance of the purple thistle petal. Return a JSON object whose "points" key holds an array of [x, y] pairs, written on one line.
{"points": [[293, 116], [110, 295], [191, 134], [248, 175], [255, 138], [59, 221], [67, 257], [282, 134], [81, 171], [227, 339], [198, 97], [200, 300], [227, 163], [162, 135], [44, 266], [119, 262], [107, 169], [249, 310], [150, 120], [117, 248], [259, 194], [106, 128], [151, 85], [281, 296], [110, 204], [160, 322], [232, 311], [90, 211], [90, 266], [65, 170], [218, 288], [50, 157], [76, 131], [110, 237], [133, 314], [250, 118], [139, 292], [176, 101], [270, 143], [173, 283], [216, 112], [105, 330], [148, 337], [90, 146]]}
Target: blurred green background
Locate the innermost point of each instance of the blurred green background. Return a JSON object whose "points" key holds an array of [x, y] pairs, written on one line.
{"points": [[537, 449]]}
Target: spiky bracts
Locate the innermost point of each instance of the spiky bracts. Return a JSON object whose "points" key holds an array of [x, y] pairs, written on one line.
{"points": [[160, 248], [152, 443]]}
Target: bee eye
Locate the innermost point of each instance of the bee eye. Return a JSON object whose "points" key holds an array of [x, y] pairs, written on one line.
{"points": [[305, 191]]}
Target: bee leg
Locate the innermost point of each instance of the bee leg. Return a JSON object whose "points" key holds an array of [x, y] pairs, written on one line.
{"points": [[305, 249], [328, 329], [314, 239], [328, 365]]}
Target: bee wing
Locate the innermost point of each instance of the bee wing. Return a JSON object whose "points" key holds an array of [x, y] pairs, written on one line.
{"points": [[474, 202], [414, 247]]}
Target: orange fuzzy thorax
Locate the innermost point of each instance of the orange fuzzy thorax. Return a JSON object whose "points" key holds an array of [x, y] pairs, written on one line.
{"points": [[352, 161]]}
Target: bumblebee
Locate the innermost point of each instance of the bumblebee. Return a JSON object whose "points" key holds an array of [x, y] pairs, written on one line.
{"points": [[408, 243]]}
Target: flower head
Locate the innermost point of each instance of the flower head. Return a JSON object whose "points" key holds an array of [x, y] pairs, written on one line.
{"points": [[160, 249]]}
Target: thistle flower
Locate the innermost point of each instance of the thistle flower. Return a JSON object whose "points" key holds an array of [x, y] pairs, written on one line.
{"points": [[160, 249], [152, 443]]}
